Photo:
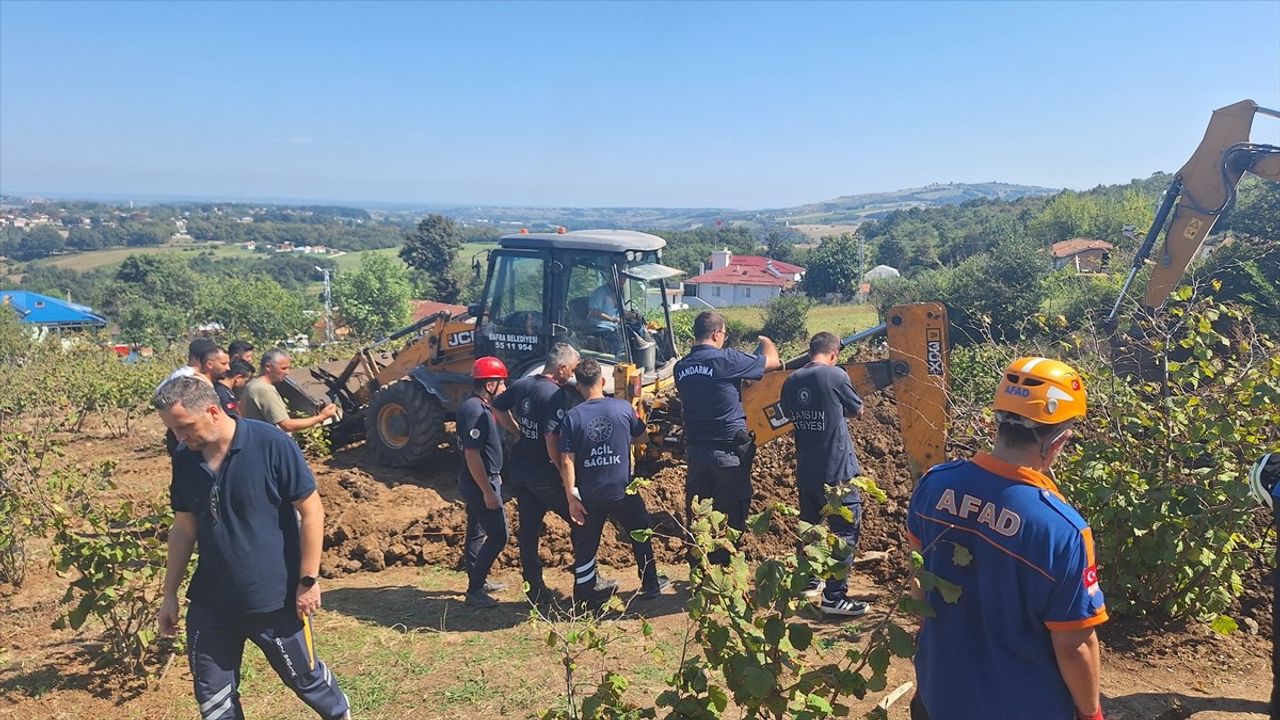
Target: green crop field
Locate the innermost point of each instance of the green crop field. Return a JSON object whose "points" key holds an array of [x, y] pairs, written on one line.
{"points": [[839, 319], [86, 261]]}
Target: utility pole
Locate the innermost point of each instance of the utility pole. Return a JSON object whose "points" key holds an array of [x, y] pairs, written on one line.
{"points": [[862, 257], [328, 304]]}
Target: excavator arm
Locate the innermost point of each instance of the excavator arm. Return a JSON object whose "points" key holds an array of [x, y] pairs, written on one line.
{"points": [[1201, 192], [917, 369]]}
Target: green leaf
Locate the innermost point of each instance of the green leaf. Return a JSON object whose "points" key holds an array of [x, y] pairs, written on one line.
{"points": [[774, 629], [800, 635], [960, 555], [916, 607], [758, 681], [760, 522], [642, 535], [1224, 625], [901, 643]]}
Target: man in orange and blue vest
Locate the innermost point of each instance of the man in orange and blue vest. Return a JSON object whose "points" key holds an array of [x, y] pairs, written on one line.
{"points": [[1020, 642]]}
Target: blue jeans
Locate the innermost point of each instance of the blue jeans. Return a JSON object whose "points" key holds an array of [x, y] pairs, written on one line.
{"points": [[812, 500], [487, 531]]}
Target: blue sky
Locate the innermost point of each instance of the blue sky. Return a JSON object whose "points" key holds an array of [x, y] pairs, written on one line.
{"points": [[654, 104]]}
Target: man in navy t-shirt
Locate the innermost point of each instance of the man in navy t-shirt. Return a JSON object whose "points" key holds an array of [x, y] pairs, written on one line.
{"points": [[595, 466], [534, 406], [720, 451], [243, 492], [480, 480], [1021, 640], [817, 398]]}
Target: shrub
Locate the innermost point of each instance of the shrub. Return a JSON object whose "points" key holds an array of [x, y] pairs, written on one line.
{"points": [[118, 554], [1160, 468], [784, 320]]}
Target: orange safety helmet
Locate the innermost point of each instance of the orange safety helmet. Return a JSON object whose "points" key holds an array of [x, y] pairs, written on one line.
{"points": [[1039, 391], [488, 368]]}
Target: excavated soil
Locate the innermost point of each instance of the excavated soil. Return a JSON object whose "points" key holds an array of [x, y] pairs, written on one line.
{"points": [[382, 516]]}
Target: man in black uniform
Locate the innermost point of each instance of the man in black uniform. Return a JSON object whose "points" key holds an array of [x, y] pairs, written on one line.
{"points": [[817, 398], [595, 465], [709, 380], [479, 480], [228, 386], [535, 403]]}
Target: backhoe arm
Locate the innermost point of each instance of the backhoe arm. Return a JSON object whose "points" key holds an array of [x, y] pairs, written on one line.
{"points": [[917, 369], [1201, 192]]}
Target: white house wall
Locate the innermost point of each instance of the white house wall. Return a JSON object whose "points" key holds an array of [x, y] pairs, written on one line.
{"points": [[720, 295]]}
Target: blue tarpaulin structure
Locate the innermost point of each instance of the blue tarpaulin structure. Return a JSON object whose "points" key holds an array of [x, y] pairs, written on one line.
{"points": [[49, 312]]}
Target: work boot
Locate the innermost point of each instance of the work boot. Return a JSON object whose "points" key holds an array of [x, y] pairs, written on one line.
{"points": [[481, 599], [493, 586], [604, 584], [843, 607], [662, 585]]}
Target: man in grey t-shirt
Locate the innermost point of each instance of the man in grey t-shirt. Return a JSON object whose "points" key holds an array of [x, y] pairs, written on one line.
{"points": [[260, 400]]}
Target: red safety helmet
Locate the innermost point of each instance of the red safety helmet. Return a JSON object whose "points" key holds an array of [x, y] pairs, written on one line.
{"points": [[488, 368]]}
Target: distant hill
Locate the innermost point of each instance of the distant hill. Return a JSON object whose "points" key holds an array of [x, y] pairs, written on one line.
{"points": [[844, 210], [852, 208]]}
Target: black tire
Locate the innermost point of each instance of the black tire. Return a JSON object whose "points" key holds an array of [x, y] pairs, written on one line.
{"points": [[404, 424]]}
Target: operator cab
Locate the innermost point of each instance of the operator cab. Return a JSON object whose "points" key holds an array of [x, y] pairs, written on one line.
{"points": [[603, 291]]}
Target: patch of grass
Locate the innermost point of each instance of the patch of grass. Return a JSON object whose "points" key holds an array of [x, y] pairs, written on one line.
{"points": [[469, 692], [84, 261], [839, 319]]}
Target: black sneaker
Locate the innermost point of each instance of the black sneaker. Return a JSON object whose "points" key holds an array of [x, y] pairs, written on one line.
{"points": [[594, 598], [664, 583], [814, 589], [843, 606], [539, 594], [481, 599]]}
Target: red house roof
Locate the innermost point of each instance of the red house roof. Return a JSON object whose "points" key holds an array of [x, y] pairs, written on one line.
{"points": [[736, 274], [763, 262], [423, 308], [1074, 246]]}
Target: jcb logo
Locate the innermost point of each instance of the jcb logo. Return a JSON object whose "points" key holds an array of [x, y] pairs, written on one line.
{"points": [[933, 351], [458, 339], [777, 419]]}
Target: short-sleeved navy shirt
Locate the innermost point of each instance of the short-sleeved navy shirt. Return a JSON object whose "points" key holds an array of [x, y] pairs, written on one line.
{"points": [[599, 434], [710, 384], [817, 398], [477, 430], [530, 401], [226, 398], [247, 528], [565, 399]]}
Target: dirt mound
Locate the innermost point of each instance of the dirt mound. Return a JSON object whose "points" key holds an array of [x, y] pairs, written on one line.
{"points": [[380, 516]]}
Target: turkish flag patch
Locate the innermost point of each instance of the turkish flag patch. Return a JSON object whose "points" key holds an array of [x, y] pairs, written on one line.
{"points": [[1091, 579]]}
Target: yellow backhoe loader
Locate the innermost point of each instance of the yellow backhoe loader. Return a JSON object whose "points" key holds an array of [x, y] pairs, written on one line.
{"points": [[541, 288]]}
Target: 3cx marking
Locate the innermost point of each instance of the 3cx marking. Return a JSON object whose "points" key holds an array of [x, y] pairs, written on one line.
{"points": [[933, 351]]}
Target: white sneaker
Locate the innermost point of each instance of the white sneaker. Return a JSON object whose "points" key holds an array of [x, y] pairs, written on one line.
{"points": [[814, 589], [843, 606]]}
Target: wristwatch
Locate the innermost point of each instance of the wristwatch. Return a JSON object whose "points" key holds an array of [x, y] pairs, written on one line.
{"points": [[307, 581]]}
